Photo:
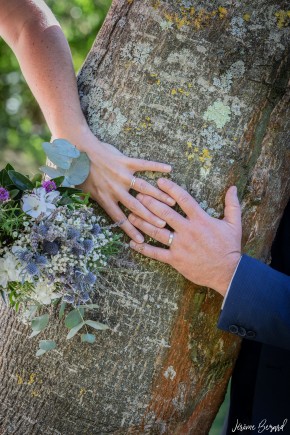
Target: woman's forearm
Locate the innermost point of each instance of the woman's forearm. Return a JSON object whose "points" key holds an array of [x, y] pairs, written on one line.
{"points": [[45, 60]]}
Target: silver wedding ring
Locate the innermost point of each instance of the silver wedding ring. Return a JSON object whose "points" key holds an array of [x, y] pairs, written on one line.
{"points": [[170, 238], [132, 183]]}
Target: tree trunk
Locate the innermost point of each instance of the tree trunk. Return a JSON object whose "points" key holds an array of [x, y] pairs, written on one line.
{"points": [[204, 87]]}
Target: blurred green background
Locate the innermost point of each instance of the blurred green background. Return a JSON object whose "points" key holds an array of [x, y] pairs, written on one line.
{"points": [[22, 127]]}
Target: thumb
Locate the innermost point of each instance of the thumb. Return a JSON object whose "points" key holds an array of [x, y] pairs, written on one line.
{"points": [[232, 213]]}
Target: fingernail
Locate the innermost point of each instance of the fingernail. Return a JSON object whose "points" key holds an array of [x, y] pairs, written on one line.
{"points": [[139, 238], [161, 222], [170, 201], [132, 244]]}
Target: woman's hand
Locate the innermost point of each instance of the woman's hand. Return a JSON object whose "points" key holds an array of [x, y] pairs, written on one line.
{"points": [[203, 249], [110, 180]]}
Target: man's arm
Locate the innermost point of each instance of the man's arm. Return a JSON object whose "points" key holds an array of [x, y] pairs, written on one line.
{"points": [[207, 251], [257, 306]]}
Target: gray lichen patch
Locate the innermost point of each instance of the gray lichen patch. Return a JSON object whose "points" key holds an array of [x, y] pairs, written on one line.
{"points": [[136, 52]]}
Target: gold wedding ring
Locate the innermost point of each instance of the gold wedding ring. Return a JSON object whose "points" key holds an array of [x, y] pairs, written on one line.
{"points": [[170, 238], [132, 183]]}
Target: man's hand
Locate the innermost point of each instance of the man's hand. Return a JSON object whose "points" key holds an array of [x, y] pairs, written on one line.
{"points": [[204, 249]]}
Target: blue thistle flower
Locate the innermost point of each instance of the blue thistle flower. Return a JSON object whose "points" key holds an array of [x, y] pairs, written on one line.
{"points": [[32, 269], [96, 229], [42, 230], [25, 255], [73, 233], [88, 245], [90, 278], [40, 259], [68, 298], [84, 297], [77, 250], [51, 248]]}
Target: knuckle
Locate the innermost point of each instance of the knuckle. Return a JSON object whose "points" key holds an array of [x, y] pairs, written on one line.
{"points": [[142, 186], [132, 205], [155, 255], [183, 198], [167, 213], [132, 217], [148, 201], [155, 233]]}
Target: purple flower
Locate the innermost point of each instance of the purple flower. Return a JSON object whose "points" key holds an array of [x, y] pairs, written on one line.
{"points": [[4, 194], [48, 185]]}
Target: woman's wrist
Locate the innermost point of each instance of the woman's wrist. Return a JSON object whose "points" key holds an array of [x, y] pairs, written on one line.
{"points": [[80, 136]]}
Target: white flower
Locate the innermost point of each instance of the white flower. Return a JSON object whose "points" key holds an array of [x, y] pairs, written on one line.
{"points": [[44, 293], [39, 201], [9, 269]]}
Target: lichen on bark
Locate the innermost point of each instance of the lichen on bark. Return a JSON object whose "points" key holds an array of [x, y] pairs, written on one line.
{"points": [[153, 73]]}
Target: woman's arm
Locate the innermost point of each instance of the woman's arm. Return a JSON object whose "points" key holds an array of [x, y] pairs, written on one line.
{"points": [[36, 38]]}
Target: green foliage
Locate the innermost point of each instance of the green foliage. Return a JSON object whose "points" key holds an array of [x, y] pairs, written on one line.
{"points": [[88, 338], [74, 317], [22, 125], [39, 323]]}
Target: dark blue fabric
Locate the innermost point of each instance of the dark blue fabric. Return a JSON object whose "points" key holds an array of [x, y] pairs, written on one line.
{"points": [[259, 302]]}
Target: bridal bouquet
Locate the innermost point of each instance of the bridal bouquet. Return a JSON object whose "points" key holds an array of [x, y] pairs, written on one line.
{"points": [[52, 245]]}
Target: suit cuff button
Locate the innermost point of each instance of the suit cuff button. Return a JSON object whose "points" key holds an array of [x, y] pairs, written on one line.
{"points": [[251, 334], [233, 329], [242, 331]]}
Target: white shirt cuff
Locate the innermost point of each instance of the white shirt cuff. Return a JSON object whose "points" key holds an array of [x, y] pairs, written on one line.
{"points": [[228, 289]]}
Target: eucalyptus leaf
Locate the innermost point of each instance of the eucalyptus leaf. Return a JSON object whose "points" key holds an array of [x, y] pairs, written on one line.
{"points": [[47, 345], [74, 330], [61, 152], [89, 306], [34, 333], [52, 172], [79, 170], [96, 325], [73, 318], [39, 323], [20, 181], [88, 338], [40, 352], [61, 310]]}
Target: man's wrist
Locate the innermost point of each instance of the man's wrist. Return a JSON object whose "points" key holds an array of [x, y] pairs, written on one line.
{"points": [[227, 273]]}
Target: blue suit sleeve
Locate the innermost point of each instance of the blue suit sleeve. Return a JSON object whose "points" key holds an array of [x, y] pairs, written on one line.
{"points": [[257, 306]]}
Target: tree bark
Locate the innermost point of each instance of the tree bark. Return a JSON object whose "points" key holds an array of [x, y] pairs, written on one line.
{"points": [[206, 88]]}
